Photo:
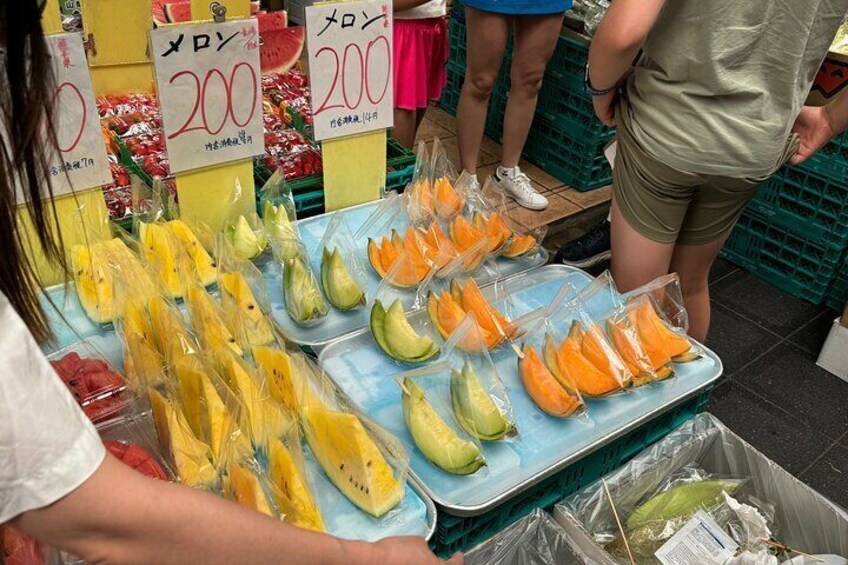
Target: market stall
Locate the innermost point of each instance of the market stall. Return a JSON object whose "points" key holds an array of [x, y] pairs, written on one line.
{"points": [[408, 365]]}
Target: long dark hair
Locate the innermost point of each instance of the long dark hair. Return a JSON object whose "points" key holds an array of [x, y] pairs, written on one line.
{"points": [[26, 96]]}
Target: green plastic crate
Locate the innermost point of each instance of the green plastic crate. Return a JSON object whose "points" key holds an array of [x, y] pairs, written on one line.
{"points": [[806, 203], [832, 159], [797, 265], [562, 104], [456, 41], [569, 60], [398, 156], [570, 152], [459, 534], [453, 88]]}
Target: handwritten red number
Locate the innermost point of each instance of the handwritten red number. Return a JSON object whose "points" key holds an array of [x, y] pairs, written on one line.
{"points": [[186, 127], [253, 89], [365, 87], [345, 74], [73, 88], [227, 97], [324, 105], [367, 81]]}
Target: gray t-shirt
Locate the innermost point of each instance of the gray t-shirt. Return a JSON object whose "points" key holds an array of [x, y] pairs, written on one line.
{"points": [[721, 81]]}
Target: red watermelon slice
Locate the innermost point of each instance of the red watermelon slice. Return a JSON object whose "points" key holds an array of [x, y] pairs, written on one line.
{"points": [[280, 49], [272, 21], [135, 456], [17, 548], [177, 11]]}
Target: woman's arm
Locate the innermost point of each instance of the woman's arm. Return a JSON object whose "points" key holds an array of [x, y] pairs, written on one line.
{"points": [[121, 516], [614, 47]]}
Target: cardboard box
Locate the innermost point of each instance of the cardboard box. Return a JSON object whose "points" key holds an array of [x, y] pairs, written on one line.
{"points": [[834, 354], [830, 80]]}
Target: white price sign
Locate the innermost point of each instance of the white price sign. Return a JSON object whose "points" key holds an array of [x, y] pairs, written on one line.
{"points": [[210, 92], [81, 161], [350, 67]]}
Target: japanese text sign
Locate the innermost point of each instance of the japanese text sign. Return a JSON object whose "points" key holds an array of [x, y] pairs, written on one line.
{"points": [[81, 161], [209, 89], [350, 66]]}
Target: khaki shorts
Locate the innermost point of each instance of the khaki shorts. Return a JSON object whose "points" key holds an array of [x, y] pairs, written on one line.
{"points": [[670, 206]]}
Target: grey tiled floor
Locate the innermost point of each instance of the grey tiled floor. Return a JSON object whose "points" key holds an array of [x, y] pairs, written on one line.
{"points": [[772, 393]]}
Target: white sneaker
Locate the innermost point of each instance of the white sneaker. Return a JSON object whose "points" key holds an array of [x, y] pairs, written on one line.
{"points": [[519, 188]]}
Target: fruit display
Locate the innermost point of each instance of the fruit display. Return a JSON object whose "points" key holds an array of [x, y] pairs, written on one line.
{"points": [[247, 242], [289, 151], [474, 409], [403, 261], [448, 309], [281, 46], [242, 313], [144, 365], [434, 437], [135, 457], [625, 338], [550, 395], [342, 290], [176, 256], [295, 495], [97, 388], [244, 485], [280, 231], [289, 92], [94, 267], [657, 338], [190, 457], [287, 385], [304, 303], [573, 369], [351, 459], [397, 338]]}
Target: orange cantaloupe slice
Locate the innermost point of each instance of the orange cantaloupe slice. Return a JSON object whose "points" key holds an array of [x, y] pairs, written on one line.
{"points": [[543, 388]]}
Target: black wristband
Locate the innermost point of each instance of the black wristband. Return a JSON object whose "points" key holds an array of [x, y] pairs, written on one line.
{"points": [[588, 85]]}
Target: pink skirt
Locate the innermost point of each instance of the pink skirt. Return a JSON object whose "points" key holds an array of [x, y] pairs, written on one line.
{"points": [[420, 56]]}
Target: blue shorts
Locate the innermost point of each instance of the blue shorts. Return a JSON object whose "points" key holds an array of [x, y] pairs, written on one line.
{"points": [[521, 7]]}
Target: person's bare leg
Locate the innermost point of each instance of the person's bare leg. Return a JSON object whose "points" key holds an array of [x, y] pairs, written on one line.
{"points": [[535, 42], [636, 260], [487, 34], [406, 124], [692, 264]]}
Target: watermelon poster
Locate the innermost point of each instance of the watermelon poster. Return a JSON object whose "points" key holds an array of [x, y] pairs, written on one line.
{"points": [[209, 84], [81, 161], [350, 66]]}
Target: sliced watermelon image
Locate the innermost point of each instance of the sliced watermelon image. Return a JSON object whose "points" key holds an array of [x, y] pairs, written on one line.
{"points": [[136, 457], [280, 49], [171, 11], [272, 21]]}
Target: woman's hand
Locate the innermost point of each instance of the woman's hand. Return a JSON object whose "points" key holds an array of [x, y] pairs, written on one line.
{"points": [[815, 128], [409, 550], [605, 107]]}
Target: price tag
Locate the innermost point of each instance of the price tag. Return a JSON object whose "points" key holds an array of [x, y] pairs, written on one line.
{"points": [[81, 161], [350, 64], [209, 88]]}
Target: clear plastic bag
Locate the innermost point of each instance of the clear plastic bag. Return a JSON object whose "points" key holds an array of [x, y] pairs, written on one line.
{"points": [[406, 339], [144, 364], [449, 302], [305, 304], [661, 342], [245, 233], [602, 302], [279, 217], [802, 518], [667, 297], [367, 464], [343, 276], [535, 539], [554, 394], [427, 402], [418, 195], [479, 400], [244, 298]]}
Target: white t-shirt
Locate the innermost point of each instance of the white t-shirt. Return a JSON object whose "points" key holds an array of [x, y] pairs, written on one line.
{"points": [[432, 9], [47, 445]]}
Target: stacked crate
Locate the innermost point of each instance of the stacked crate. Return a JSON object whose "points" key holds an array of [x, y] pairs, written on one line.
{"points": [[566, 139], [794, 233]]}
